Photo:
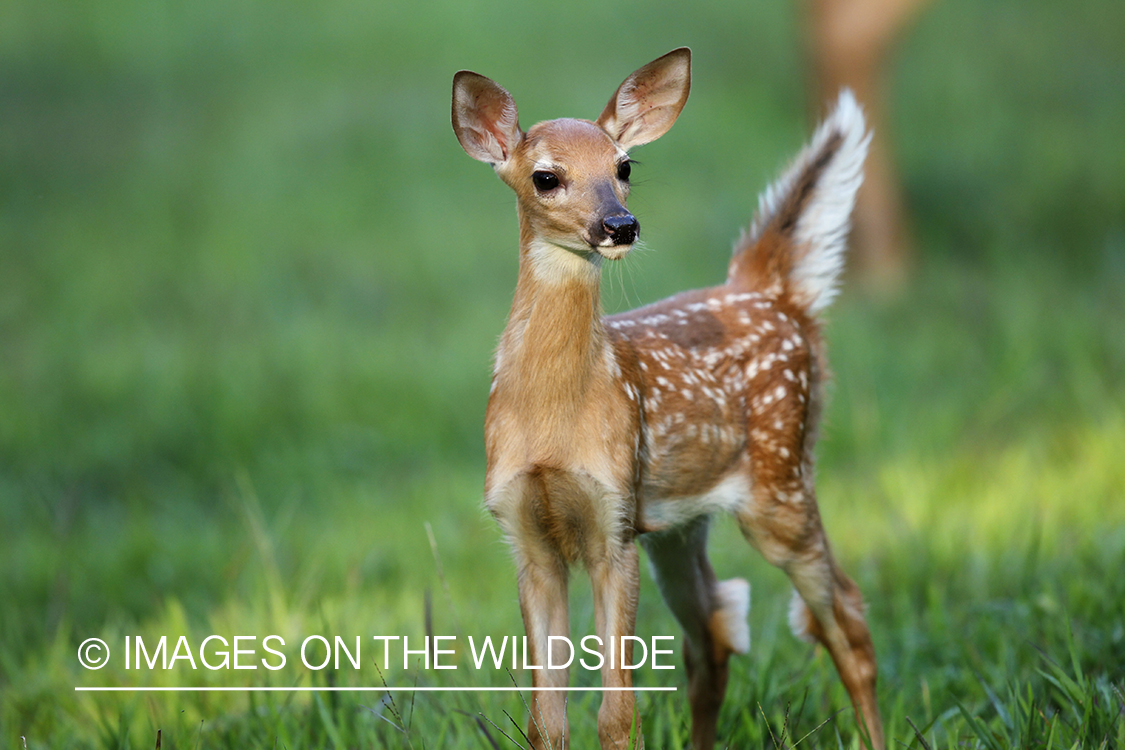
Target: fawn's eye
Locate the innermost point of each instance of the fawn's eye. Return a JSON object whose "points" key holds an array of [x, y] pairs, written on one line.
{"points": [[624, 169], [545, 181]]}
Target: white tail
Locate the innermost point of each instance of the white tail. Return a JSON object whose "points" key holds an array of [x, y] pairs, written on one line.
{"points": [[639, 426], [808, 209]]}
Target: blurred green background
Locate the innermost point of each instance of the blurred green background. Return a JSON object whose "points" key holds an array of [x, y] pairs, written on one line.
{"points": [[250, 285]]}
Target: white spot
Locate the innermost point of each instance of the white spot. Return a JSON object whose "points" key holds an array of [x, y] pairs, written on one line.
{"points": [[611, 362]]}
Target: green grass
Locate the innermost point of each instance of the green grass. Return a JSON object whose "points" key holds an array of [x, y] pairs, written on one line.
{"points": [[249, 287]]}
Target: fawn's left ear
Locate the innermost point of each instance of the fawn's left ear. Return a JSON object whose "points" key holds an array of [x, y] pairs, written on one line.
{"points": [[484, 118], [649, 101]]}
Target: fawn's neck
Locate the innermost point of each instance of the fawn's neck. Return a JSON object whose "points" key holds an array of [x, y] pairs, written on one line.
{"points": [[554, 344]]}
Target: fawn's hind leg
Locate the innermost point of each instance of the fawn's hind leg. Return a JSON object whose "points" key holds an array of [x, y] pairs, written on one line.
{"points": [[712, 614], [782, 521]]}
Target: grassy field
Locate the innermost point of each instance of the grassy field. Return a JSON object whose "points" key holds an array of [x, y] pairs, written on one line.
{"points": [[249, 289]]}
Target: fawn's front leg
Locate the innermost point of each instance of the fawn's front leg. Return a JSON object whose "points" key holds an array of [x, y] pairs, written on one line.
{"points": [[616, 583], [543, 603]]}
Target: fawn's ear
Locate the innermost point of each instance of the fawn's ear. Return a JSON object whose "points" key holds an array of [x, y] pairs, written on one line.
{"points": [[484, 118], [649, 101]]}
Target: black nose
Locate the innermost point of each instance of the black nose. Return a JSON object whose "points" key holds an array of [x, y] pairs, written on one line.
{"points": [[622, 229]]}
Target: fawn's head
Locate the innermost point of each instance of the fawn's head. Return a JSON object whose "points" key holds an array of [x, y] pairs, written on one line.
{"points": [[571, 177]]}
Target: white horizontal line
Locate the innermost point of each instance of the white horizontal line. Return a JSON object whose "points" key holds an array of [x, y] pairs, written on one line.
{"points": [[365, 689]]}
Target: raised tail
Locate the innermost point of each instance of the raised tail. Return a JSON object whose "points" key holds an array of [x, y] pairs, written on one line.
{"points": [[796, 242]]}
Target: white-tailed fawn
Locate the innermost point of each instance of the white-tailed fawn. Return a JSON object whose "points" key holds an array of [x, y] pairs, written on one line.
{"points": [[602, 431]]}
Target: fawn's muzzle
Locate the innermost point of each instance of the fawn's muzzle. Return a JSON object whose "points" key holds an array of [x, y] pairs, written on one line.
{"points": [[622, 229]]}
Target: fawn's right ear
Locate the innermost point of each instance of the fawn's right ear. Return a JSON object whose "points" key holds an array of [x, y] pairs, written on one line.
{"points": [[484, 118]]}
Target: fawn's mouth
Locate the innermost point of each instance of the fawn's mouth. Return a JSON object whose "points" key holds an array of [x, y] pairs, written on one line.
{"points": [[605, 247], [613, 252]]}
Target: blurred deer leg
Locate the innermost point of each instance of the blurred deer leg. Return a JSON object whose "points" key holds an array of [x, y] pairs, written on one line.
{"points": [[850, 41]]}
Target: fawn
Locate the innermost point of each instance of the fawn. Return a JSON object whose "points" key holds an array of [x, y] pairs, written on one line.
{"points": [[638, 426]]}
